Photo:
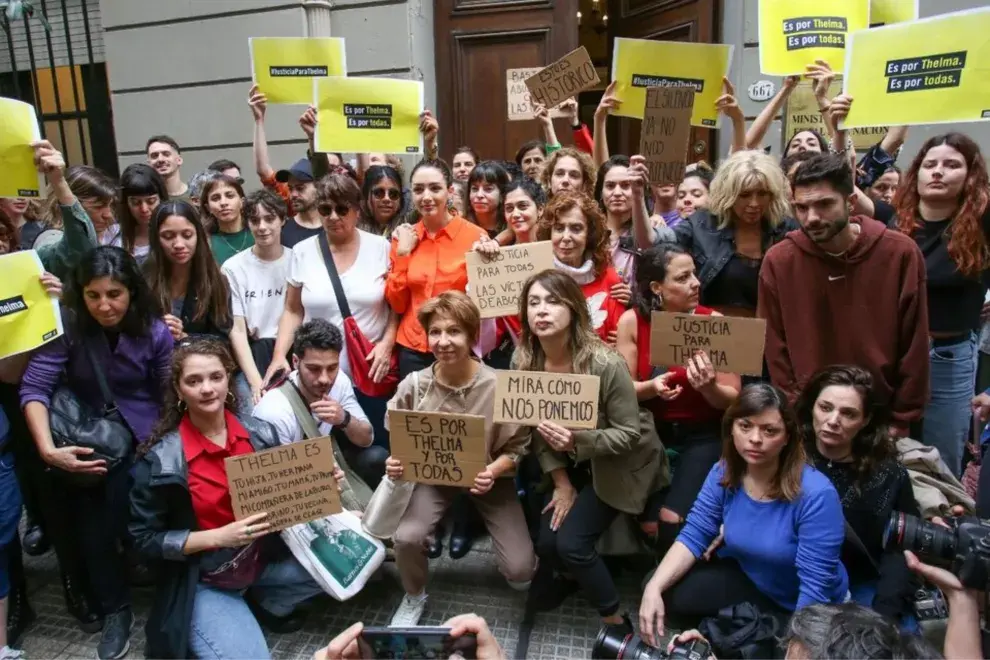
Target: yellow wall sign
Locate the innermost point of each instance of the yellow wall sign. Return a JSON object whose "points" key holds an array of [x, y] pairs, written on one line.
{"points": [[795, 33], [931, 71], [638, 64], [362, 115], [18, 129], [284, 67], [28, 316], [886, 12]]}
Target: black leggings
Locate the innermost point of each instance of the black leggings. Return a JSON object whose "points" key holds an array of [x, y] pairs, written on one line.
{"points": [[711, 586]]}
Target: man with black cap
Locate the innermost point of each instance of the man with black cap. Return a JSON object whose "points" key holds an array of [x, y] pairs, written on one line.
{"points": [[302, 195]]}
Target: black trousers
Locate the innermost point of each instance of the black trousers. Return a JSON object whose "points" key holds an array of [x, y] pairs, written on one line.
{"points": [[410, 361], [573, 547], [368, 462], [375, 408], [87, 527]]}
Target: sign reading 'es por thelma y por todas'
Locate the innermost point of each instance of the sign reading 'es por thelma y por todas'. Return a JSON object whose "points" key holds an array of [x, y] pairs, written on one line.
{"points": [[445, 449], [293, 484], [495, 284], [571, 74], [733, 344], [528, 398], [666, 132]]}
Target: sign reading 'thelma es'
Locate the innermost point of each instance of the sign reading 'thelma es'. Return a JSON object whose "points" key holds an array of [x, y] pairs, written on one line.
{"points": [[733, 344], [495, 284], [445, 449], [530, 397]]}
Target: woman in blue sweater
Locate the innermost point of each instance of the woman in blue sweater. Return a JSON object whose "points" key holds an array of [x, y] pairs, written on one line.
{"points": [[780, 519]]}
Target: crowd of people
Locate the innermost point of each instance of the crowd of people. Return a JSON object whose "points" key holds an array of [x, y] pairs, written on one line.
{"points": [[212, 323]]}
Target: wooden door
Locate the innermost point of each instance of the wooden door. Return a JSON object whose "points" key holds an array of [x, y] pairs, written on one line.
{"points": [[476, 41], [662, 20]]}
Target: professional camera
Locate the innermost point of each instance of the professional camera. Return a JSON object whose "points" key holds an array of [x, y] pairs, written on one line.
{"points": [[616, 641], [964, 548]]}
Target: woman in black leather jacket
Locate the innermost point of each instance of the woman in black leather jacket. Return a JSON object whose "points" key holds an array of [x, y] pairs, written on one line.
{"points": [[182, 519], [747, 214]]}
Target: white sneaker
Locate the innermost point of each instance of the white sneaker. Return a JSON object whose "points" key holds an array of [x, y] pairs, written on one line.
{"points": [[410, 611], [7, 653]]}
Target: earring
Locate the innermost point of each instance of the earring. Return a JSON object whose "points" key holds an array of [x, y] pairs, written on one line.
{"points": [[181, 406], [657, 302], [230, 397]]}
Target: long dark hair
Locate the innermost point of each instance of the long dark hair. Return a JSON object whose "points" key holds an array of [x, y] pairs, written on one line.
{"points": [[137, 180], [872, 445], [171, 412], [118, 265], [651, 266], [209, 286], [372, 177], [753, 400], [614, 161], [489, 172], [967, 243], [211, 223]]}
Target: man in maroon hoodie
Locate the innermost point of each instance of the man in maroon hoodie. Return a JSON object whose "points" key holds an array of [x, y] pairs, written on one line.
{"points": [[845, 291]]}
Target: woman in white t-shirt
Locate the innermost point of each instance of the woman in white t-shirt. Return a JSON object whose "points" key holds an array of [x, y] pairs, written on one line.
{"points": [[361, 260], [258, 281]]}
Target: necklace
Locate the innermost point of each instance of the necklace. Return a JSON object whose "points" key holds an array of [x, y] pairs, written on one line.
{"points": [[243, 243]]}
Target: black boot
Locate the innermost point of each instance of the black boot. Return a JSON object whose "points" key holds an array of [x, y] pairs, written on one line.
{"points": [[35, 541], [78, 604], [463, 526], [20, 616]]}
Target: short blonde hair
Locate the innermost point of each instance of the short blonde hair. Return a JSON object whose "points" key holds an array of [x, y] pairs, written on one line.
{"points": [[588, 170], [457, 307], [743, 171]]}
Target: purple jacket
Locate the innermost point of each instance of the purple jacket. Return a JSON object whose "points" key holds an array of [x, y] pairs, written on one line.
{"points": [[137, 373]]}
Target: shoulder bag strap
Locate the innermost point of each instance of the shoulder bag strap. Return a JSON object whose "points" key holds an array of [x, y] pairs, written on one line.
{"points": [[415, 390], [299, 409], [109, 404], [338, 289]]}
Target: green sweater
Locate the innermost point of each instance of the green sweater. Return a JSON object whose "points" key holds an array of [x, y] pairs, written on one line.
{"points": [[78, 238]]}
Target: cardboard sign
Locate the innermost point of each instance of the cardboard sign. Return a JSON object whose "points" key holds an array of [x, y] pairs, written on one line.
{"points": [[734, 344], [517, 97], [527, 398], [438, 448], [496, 284], [666, 132], [18, 129], [932, 71], [363, 115], [284, 67], [801, 113], [795, 33], [293, 483], [567, 77]]}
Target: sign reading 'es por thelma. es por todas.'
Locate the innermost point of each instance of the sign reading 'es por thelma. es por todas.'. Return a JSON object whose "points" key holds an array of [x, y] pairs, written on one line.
{"points": [[445, 449], [528, 398], [733, 344], [795, 33], [495, 284], [293, 484]]}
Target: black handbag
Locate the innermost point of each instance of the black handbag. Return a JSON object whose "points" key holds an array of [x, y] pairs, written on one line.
{"points": [[75, 424]]}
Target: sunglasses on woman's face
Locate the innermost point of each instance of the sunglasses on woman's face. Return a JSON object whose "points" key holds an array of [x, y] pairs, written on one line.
{"points": [[327, 209], [392, 193]]}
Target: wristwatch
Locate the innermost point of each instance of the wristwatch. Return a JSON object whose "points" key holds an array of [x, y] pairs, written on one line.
{"points": [[347, 419]]}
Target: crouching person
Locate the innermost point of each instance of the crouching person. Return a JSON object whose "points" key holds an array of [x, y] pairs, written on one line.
{"points": [[216, 574], [459, 383]]}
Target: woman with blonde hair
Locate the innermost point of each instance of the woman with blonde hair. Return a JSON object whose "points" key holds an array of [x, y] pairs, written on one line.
{"points": [[571, 170], [597, 474], [748, 207]]}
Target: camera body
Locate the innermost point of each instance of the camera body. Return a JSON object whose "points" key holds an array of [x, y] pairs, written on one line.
{"points": [[964, 547], [618, 642]]}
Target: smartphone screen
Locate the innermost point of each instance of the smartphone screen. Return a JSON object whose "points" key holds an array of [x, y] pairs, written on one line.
{"points": [[419, 642]]}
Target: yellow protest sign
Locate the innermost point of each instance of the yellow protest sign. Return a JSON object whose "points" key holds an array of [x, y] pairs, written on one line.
{"points": [[885, 12], [28, 316], [801, 113], [362, 115], [931, 71], [18, 129], [638, 64], [284, 67], [795, 33]]}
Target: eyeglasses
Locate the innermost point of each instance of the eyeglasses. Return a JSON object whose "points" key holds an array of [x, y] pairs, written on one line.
{"points": [[327, 209], [392, 193]]}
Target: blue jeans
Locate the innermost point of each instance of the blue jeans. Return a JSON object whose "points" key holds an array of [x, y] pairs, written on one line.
{"points": [[863, 593], [948, 415], [222, 626], [10, 515]]}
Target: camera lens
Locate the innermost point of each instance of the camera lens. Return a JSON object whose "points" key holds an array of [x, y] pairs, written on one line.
{"points": [[927, 540], [617, 643]]}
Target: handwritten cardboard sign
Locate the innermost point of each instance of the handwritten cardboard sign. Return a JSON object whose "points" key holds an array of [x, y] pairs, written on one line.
{"points": [[438, 448], [495, 284], [518, 100], [568, 76], [666, 132], [527, 398], [293, 483], [733, 344]]}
